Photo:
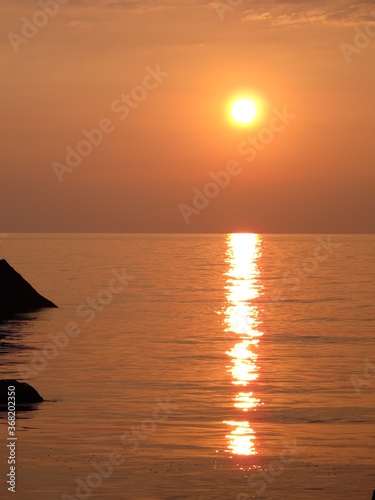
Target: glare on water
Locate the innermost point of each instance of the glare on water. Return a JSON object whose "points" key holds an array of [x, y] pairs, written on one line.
{"points": [[241, 319]]}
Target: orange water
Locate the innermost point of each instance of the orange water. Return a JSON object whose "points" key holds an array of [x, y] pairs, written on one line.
{"points": [[254, 344]]}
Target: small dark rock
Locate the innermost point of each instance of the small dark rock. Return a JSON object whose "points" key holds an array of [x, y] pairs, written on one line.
{"points": [[24, 393]]}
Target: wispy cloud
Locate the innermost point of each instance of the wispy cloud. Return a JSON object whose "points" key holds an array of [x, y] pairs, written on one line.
{"points": [[75, 23], [291, 13], [273, 12], [139, 6]]}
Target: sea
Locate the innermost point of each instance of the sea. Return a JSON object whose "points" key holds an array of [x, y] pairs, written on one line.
{"points": [[193, 367]]}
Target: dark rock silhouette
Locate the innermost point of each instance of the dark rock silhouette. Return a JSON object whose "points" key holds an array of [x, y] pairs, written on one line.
{"points": [[24, 393], [16, 294]]}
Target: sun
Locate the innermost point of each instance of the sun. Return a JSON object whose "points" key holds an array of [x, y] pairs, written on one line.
{"points": [[244, 111]]}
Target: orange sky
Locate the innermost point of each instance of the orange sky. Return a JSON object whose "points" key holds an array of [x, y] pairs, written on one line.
{"points": [[74, 71]]}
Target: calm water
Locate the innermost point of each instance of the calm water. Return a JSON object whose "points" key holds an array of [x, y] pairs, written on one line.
{"points": [[217, 366]]}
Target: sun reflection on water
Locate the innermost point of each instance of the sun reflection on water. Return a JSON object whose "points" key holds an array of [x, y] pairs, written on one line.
{"points": [[241, 320]]}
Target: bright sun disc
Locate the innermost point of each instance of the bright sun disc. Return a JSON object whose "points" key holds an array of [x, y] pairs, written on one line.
{"points": [[244, 111]]}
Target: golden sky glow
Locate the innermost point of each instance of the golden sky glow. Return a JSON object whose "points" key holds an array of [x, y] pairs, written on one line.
{"points": [[317, 175]]}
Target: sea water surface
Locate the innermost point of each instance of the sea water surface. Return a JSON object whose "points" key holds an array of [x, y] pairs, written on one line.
{"points": [[203, 366]]}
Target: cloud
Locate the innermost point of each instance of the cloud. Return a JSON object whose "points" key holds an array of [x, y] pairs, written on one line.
{"points": [[135, 5], [309, 12], [273, 12], [75, 23]]}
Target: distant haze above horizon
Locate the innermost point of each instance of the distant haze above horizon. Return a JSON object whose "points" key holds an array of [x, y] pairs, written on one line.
{"points": [[115, 116]]}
